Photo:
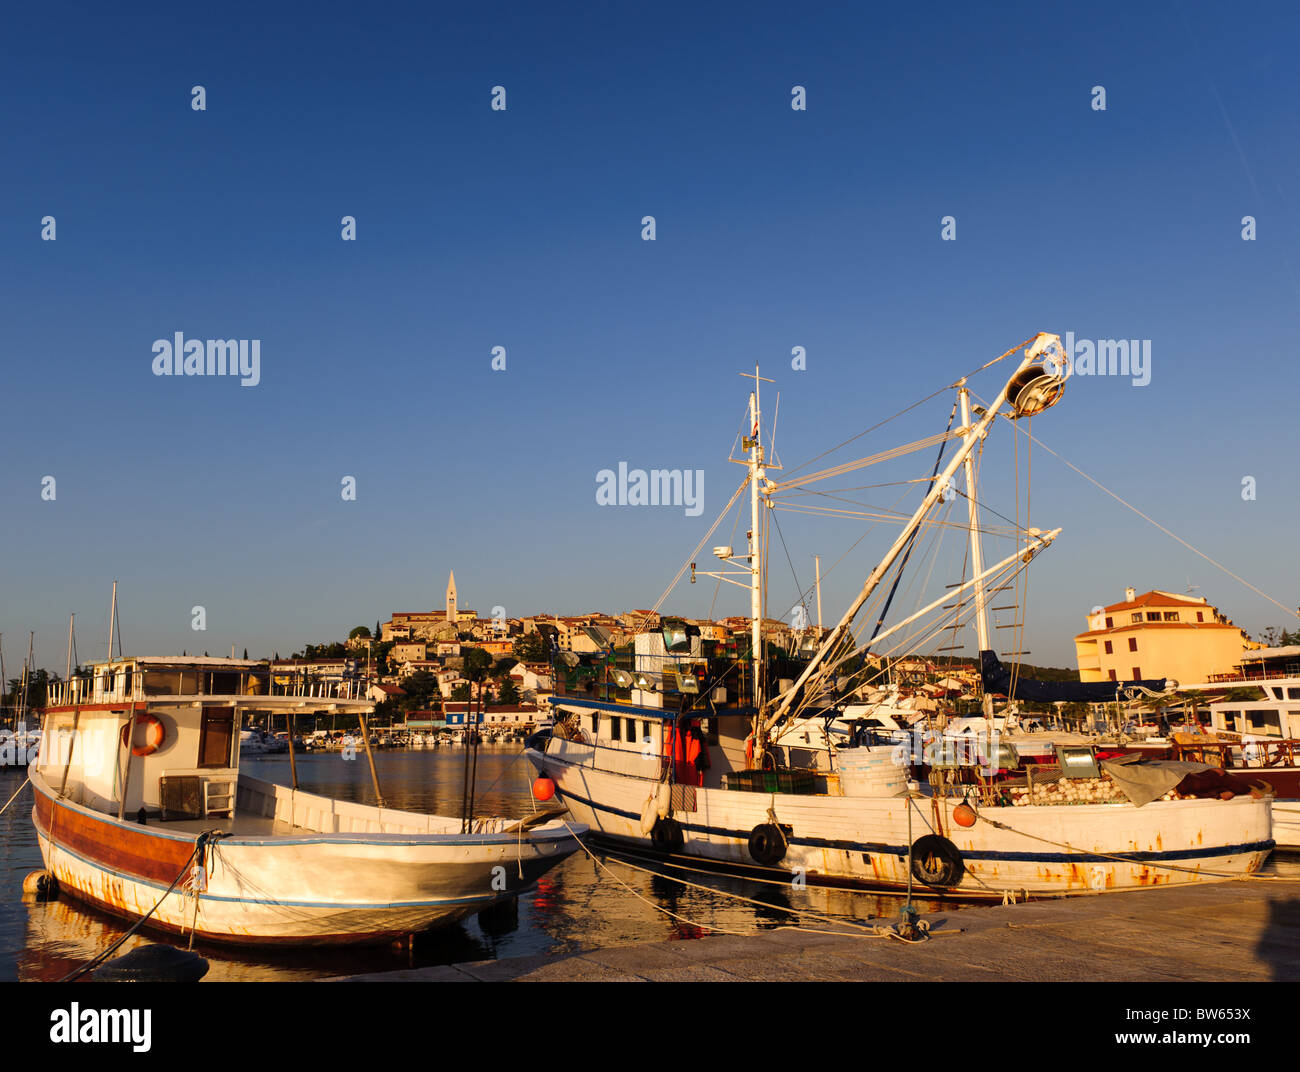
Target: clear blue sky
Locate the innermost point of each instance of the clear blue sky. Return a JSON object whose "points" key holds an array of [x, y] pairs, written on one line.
{"points": [[522, 229]]}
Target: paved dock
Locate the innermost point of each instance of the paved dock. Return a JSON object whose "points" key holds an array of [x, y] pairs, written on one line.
{"points": [[1235, 931]]}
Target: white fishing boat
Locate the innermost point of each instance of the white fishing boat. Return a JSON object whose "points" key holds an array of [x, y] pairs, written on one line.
{"points": [[760, 791], [141, 810]]}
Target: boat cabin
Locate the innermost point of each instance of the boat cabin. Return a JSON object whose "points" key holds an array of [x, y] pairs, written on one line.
{"points": [[158, 738]]}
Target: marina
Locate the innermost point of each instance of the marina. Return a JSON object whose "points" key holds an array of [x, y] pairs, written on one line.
{"points": [[793, 495]]}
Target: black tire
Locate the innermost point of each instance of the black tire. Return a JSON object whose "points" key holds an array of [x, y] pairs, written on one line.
{"points": [[937, 862], [767, 845], [667, 836]]}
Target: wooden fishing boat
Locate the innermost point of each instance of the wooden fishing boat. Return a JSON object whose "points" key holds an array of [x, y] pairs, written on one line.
{"points": [[141, 810], [710, 753]]}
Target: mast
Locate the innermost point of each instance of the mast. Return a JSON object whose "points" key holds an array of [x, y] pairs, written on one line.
{"points": [[755, 547], [1034, 386], [112, 618], [976, 554], [817, 567]]}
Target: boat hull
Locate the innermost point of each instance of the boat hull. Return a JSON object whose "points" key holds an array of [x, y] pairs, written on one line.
{"points": [[864, 841], [313, 889]]}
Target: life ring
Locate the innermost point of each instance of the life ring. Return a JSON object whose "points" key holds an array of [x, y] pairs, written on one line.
{"points": [[155, 733], [767, 844], [937, 862], [667, 836]]}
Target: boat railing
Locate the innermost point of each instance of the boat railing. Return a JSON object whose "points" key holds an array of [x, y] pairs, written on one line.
{"points": [[82, 690], [1255, 754]]}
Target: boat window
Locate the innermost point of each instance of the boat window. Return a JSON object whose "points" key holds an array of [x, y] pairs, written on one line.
{"points": [[1292, 694], [615, 728], [224, 684], [595, 724], [1265, 722]]}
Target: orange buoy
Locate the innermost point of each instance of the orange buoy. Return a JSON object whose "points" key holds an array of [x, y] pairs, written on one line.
{"points": [[543, 788], [964, 815]]}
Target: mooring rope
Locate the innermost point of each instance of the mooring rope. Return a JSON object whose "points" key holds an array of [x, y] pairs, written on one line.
{"points": [[26, 782], [856, 930]]}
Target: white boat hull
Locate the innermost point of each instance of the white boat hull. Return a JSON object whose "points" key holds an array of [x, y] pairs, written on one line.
{"points": [[365, 881], [865, 840]]}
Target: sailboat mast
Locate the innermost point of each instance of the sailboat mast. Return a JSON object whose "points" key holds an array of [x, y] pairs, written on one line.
{"points": [[755, 545], [976, 553], [817, 561], [112, 620]]}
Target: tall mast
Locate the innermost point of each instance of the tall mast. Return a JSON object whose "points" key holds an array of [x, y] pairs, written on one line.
{"points": [[755, 546], [817, 566], [112, 618], [976, 554], [1034, 386]]}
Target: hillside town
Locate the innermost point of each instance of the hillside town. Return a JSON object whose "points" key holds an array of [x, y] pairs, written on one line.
{"points": [[429, 672]]}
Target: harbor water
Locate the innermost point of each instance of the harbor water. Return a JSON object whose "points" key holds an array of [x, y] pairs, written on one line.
{"points": [[583, 904]]}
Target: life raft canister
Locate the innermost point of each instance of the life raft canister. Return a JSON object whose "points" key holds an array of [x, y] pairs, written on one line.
{"points": [[767, 844], [155, 733], [937, 862], [667, 836]]}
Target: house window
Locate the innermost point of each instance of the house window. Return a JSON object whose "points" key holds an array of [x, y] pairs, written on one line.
{"points": [[1137, 673], [1110, 623], [1137, 618], [1109, 648], [1153, 616], [1112, 675], [1200, 616], [1132, 644], [1171, 615]]}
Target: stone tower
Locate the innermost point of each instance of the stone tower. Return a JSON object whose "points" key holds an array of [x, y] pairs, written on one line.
{"points": [[451, 597]]}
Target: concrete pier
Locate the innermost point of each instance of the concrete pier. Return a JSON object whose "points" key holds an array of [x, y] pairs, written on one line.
{"points": [[1245, 931]]}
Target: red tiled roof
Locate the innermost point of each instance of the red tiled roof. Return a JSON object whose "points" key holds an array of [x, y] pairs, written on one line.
{"points": [[1158, 599]]}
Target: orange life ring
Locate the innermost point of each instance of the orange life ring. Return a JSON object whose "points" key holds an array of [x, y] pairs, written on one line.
{"points": [[155, 733]]}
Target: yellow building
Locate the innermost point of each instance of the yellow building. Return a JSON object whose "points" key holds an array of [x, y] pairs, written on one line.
{"points": [[1158, 634]]}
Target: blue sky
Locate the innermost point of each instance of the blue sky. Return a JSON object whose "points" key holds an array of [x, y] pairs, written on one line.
{"points": [[478, 228]]}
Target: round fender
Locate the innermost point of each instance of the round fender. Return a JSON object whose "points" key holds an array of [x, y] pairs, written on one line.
{"points": [[767, 844], [937, 862], [667, 836]]}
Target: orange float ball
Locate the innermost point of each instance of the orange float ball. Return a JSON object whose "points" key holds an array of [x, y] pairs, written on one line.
{"points": [[964, 815], [543, 789]]}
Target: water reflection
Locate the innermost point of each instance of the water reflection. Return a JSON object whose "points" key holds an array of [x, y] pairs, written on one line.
{"points": [[580, 905]]}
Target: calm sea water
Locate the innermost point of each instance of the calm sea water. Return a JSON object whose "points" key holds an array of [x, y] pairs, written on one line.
{"points": [[577, 906]]}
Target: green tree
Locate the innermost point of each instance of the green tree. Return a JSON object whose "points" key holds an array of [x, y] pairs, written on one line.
{"points": [[420, 688], [460, 692], [531, 648], [359, 631], [509, 692]]}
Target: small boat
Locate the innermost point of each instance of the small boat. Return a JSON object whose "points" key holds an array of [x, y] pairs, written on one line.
{"points": [[140, 807]]}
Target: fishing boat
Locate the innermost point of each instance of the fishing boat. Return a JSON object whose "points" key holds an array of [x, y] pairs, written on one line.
{"points": [[141, 810], [1255, 738], [715, 753]]}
